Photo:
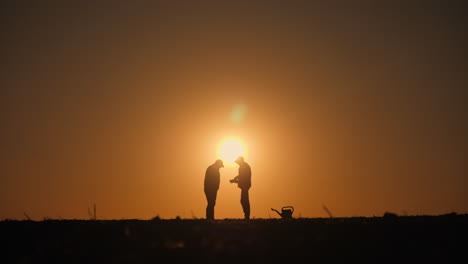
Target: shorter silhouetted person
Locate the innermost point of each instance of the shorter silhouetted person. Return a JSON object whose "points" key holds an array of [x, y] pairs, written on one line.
{"points": [[211, 187], [243, 180]]}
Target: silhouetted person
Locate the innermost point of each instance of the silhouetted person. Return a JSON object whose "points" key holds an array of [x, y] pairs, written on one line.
{"points": [[211, 187], [243, 182]]}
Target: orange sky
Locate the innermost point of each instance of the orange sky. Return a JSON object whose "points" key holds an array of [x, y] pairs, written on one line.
{"points": [[360, 108]]}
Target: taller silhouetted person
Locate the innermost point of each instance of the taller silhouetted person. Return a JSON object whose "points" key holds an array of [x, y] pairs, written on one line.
{"points": [[243, 180], [211, 187]]}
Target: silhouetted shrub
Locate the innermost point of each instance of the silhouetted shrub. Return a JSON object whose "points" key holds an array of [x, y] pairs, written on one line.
{"points": [[156, 218], [390, 215]]}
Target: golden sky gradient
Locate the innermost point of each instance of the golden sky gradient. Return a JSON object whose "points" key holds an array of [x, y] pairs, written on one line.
{"points": [[358, 106]]}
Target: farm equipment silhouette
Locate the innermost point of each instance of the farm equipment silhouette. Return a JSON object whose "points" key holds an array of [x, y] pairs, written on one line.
{"points": [[286, 211]]}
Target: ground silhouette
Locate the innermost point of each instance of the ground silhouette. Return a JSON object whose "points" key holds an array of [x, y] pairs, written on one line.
{"points": [[425, 238]]}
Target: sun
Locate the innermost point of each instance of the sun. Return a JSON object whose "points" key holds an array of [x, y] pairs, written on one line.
{"points": [[231, 148]]}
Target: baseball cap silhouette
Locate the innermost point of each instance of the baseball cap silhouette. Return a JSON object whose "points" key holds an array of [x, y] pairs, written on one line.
{"points": [[240, 159], [220, 163]]}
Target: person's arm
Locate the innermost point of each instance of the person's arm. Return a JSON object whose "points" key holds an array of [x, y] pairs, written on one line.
{"points": [[235, 180]]}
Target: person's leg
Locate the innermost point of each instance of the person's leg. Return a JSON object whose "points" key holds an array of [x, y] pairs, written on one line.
{"points": [[245, 203], [211, 199]]}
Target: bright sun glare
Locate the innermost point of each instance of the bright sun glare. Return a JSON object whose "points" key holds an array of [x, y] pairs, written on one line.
{"points": [[231, 148]]}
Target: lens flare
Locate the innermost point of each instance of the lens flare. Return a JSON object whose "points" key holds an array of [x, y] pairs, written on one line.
{"points": [[238, 113]]}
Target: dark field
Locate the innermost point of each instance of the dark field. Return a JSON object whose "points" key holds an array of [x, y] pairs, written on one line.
{"points": [[420, 238]]}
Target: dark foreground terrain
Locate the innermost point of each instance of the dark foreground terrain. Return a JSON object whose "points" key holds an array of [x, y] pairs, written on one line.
{"points": [[378, 239]]}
